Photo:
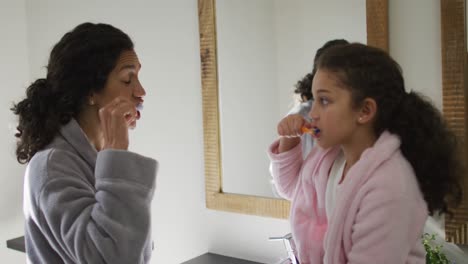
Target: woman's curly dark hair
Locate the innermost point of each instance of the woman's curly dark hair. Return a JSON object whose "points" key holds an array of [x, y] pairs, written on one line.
{"points": [[426, 141], [79, 64], [304, 86]]}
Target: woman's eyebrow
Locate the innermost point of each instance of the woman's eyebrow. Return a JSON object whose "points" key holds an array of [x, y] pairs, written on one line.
{"points": [[129, 67]]}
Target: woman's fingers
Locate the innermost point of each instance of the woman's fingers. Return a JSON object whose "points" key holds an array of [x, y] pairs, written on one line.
{"points": [[116, 118]]}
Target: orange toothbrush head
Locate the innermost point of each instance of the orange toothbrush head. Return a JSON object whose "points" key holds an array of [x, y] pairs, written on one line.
{"points": [[312, 131]]}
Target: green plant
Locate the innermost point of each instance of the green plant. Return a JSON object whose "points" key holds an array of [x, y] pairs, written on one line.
{"points": [[434, 255]]}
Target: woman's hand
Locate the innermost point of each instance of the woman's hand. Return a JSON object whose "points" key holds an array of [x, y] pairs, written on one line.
{"points": [[116, 119], [289, 130]]}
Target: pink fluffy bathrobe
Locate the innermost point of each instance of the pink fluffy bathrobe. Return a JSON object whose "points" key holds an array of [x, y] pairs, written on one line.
{"points": [[379, 212]]}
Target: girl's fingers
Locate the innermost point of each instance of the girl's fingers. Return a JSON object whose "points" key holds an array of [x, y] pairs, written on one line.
{"points": [[290, 126]]}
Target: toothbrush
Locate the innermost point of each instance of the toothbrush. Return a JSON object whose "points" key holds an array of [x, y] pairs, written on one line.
{"points": [[313, 131], [139, 108]]}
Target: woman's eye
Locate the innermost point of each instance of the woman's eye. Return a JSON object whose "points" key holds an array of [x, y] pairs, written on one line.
{"points": [[128, 82]]}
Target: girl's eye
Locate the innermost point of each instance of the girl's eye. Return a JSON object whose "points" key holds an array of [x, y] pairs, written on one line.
{"points": [[127, 82], [324, 101]]}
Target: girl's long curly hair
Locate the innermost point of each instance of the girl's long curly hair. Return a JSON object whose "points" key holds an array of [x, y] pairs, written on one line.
{"points": [[426, 141], [304, 86], [79, 64]]}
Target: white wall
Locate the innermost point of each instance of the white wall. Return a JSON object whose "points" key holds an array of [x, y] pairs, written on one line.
{"points": [[166, 37], [414, 28], [14, 76]]}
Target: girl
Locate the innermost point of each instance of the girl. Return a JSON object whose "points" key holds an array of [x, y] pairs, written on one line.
{"points": [[383, 160]]}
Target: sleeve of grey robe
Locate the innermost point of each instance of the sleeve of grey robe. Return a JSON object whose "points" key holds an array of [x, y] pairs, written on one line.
{"points": [[110, 223]]}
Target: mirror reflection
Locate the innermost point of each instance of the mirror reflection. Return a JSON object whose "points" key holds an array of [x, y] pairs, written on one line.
{"points": [[264, 48]]}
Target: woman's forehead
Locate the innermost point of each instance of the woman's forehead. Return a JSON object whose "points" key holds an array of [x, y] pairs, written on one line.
{"points": [[128, 59]]}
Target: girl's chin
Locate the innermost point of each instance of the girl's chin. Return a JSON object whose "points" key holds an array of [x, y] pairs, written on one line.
{"points": [[321, 143]]}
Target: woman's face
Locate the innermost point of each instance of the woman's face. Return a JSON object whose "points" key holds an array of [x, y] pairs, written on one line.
{"points": [[123, 81]]}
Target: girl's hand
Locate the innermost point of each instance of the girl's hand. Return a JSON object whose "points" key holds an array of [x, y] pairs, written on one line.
{"points": [[116, 118], [290, 126], [289, 130]]}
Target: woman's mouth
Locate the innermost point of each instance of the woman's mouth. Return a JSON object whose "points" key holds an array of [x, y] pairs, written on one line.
{"points": [[139, 108]]}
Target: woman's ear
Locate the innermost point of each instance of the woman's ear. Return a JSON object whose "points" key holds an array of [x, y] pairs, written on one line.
{"points": [[91, 100], [368, 111]]}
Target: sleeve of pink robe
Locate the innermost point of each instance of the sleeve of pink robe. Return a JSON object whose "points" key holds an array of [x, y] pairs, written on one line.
{"points": [[285, 168]]}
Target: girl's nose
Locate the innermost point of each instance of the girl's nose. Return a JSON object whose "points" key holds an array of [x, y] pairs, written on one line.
{"points": [[313, 113]]}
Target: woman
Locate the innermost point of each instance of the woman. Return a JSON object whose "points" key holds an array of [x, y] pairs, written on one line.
{"points": [[87, 199]]}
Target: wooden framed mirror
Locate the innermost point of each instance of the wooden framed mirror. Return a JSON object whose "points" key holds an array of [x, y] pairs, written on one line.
{"points": [[216, 198], [454, 105]]}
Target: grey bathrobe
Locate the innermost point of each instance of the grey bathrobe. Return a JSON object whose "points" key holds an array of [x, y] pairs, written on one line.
{"points": [[84, 206]]}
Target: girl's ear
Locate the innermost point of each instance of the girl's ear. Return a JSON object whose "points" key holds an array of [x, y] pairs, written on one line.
{"points": [[368, 111]]}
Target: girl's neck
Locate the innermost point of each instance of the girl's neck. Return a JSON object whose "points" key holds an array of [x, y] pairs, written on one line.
{"points": [[357, 145]]}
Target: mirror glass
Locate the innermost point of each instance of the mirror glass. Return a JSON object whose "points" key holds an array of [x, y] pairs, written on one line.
{"points": [[264, 47]]}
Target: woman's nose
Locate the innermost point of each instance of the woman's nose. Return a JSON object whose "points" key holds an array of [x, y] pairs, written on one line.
{"points": [[139, 91]]}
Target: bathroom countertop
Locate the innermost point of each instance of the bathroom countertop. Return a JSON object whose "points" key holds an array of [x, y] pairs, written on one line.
{"points": [[16, 244], [207, 258], [210, 258]]}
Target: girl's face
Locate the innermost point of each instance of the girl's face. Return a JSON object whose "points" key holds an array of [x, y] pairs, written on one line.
{"points": [[332, 110], [123, 81]]}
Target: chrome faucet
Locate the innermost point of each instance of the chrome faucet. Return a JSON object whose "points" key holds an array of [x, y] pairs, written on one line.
{"points": [[291, 259]]}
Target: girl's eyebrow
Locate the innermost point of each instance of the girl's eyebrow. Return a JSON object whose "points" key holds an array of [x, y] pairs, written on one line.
{"points": [[323, 91]]}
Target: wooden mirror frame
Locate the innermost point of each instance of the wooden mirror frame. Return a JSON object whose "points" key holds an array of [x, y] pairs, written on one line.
{"points": [[377, 35], [454, 78]]}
